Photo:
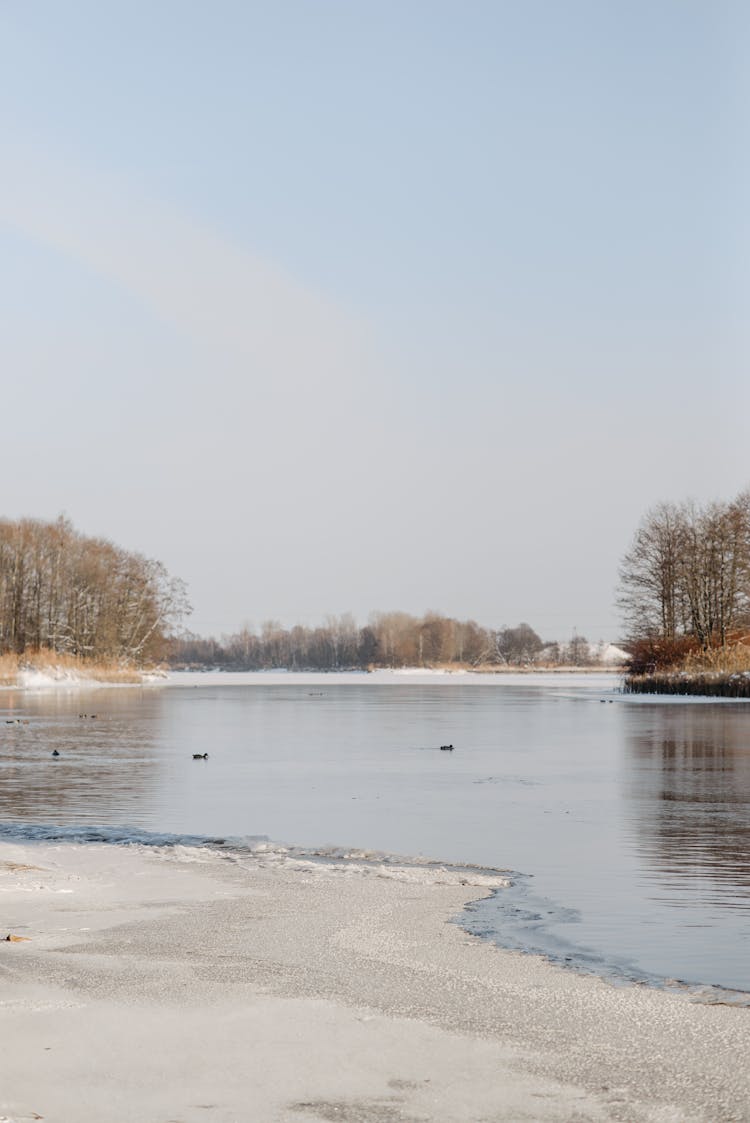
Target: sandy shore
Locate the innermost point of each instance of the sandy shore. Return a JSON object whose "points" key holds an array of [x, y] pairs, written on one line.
{"points": [[181, 986]]}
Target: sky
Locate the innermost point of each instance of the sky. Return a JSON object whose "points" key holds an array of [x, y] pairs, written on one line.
{"points": [[341, 305]]}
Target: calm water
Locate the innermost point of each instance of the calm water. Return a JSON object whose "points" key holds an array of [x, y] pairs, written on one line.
{"points": [[626, 821]]}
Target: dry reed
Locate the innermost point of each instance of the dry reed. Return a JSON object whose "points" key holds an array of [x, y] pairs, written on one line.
{"points": [[62, 666], [719, 672]]}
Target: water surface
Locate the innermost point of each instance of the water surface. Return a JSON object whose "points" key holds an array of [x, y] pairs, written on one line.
{"points": [[626, 821]]}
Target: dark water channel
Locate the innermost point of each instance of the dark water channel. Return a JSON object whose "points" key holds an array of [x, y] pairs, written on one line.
{"points": [[626, 821]]}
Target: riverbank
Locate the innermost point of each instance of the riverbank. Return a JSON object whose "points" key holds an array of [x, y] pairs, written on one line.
{"points": [[166, 984], [416, 676], [708, 684], [49, 668], [446, 669], [713, 672]]}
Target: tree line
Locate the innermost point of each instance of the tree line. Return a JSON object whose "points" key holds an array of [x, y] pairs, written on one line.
{"points": [[72, 594], [685, 581], [389, 639], [82, 596]]}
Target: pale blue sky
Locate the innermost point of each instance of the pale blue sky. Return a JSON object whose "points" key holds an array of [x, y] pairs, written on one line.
{"points": [[349, 306]]}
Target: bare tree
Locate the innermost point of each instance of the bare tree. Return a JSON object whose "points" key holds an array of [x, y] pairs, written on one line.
{"points": [[578, 651], [715, 569], [83, 596], [651, 597], [518, 645], [687, 572]]}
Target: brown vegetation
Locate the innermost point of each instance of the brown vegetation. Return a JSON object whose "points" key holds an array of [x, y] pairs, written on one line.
{"points": [[8, 669], [732, 659], [699, 684], [57, 665], [659, 653], [684, 667], [687, 668]]}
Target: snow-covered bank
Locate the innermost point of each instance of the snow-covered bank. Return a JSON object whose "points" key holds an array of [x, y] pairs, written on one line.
{"points": [[185, 984], [70, 678]]}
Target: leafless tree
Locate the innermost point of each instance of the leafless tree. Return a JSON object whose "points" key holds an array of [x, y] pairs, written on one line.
{"points": [[651, 597], [518, 645], [688, 572], [83, 596]]}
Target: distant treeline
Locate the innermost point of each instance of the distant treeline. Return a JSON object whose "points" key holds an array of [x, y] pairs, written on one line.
{"points": [[67, 593], [390, 639]]}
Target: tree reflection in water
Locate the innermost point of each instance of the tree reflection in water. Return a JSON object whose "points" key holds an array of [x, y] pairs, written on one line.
{"points": [[689, 796], [107, 764]]}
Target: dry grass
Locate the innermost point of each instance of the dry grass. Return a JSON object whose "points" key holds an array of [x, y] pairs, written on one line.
{"points": [[730, 660], [8, 669], [722, 672], [683, 655], [65, 666], [707, 684]]}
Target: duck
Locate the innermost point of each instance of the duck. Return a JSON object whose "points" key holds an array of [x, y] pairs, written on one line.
{"points": [[55, 752], [200, 756], [446, 748]]}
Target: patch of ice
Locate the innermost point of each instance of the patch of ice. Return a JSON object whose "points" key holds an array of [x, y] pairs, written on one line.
{"points": [[63, 678], [425, 672], [337, 862]]}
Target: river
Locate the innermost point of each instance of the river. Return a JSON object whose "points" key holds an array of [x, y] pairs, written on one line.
{"points": [[625, 821]]}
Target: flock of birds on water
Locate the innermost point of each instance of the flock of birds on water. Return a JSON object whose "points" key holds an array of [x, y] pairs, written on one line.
{"points": [[196, 756], [204, 756]]}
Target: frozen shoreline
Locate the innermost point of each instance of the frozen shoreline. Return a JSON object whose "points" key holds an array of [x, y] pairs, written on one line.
{"points": [[405, 676], [157, 982], [51, 679], [608, 682], [34, 680]]}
